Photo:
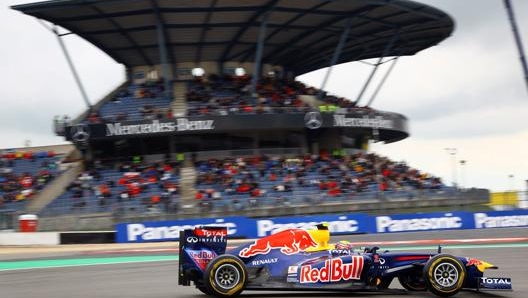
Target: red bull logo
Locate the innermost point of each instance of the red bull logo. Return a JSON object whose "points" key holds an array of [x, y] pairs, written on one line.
{"points": [[201, 257], [333, 270], [289, 242]]}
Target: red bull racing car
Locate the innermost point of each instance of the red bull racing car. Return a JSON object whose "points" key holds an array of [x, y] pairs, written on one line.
{"points": [[303, 259]]}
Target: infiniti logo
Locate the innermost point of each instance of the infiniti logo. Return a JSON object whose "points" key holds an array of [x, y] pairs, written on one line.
{"points": [[192, 239], [313, 120]]}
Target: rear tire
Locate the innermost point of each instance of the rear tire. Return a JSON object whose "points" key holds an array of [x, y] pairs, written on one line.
{"points": [[225, 276], [203, 290], [444, 275]]}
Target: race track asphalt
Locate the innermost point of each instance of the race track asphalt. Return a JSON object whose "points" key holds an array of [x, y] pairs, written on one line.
{"points": [[158, 279]]}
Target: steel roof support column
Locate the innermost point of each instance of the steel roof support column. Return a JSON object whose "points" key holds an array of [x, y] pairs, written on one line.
{"points": [[518, 40], [72, 67], [382, 81], [389, 46], [335, 57], [258, 54], [162, 47]]}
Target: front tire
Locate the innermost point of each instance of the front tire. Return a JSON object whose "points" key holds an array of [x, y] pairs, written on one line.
{"points": [[414, 281], [225, 276], [444, 275]]}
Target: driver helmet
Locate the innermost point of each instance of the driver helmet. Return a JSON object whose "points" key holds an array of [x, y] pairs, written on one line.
{"points": [[343, 244]]}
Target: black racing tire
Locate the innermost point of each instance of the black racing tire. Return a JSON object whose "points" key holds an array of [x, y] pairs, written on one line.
{"points": [[444, 275], [225, 276], [413, 282], [202, 289]]}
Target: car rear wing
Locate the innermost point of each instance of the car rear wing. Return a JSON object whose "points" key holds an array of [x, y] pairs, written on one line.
{"points": [[197, 248]]}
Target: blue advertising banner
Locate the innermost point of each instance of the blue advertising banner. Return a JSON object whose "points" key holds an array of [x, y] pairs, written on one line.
{"points": [[157, 231], [500, 219], [421, 222], [337, 224], [243, 227]]}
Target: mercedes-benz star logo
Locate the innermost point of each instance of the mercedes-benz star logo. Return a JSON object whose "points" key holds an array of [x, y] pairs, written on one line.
{"points": [[313, 120], [80, 133]]}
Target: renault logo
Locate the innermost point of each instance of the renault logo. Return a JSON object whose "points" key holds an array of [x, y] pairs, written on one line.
{"points": [[313, 120]]}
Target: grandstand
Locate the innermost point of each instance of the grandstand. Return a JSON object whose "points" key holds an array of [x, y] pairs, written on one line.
{"points": [[211, 118]]}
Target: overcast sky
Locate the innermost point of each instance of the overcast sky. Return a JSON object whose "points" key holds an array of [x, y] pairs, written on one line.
{"points": [[467, 93]]}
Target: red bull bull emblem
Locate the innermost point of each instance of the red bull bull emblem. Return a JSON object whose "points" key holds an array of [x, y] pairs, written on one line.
{"points": [[475, 262], [289, 242], [334, 270]]}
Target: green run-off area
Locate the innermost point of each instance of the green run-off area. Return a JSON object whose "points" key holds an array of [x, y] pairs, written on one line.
{"points": [[36, 264]]}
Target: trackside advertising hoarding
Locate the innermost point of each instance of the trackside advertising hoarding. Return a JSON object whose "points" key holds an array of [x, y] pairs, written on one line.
{"points": [[243, 227], [500, 219], [156, 231], [422, 222], [337, 224]]}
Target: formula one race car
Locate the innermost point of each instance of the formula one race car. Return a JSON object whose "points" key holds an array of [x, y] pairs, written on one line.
{"points": [[303, 259]]}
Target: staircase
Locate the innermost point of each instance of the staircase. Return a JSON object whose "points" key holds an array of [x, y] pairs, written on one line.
{"points": [[187, 182], [179, 104], [55, 188]]}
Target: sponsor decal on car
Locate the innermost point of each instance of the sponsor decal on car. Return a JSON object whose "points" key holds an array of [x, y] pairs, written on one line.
{"points": [[292, 274], [293, 269], [334, 270], [494, 283], [289, 242], [201, 257], [341, 252], [264, 262]]}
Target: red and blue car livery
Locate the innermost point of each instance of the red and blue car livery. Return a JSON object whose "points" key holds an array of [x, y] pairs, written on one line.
{"points": [[304, 259]]}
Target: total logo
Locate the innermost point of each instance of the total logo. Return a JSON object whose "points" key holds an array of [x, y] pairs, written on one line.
{"points": [[333, 270], [495, 281]]}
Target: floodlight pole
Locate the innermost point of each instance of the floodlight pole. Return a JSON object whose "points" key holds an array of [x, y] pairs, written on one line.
{"points": [[335, 57], [452, 152], [518, 41], [72, 67]]}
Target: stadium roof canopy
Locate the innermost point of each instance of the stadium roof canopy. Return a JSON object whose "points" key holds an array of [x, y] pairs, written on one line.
{"points": [[300, 35]]}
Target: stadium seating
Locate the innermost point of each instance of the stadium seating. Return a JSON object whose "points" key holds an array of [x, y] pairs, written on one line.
{"points": [[146, 188], [228, 184], [23, 174], [217, 95], [136, 102], [231, 95], [253, 182], [232, 183]]}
